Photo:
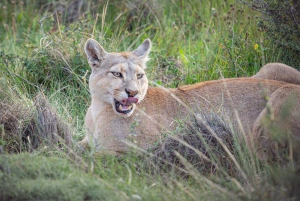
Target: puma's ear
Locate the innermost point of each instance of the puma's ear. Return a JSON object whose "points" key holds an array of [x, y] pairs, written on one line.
{"points": [[95, 52], [143, 50]]}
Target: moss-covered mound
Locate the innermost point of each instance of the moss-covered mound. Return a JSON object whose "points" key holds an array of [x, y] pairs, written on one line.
{"points": [[32, 177]]}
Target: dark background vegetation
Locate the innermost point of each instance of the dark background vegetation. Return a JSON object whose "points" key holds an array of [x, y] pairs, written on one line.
{"points": [[281, 21]]}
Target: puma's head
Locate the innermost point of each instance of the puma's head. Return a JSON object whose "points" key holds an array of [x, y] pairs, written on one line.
{"points": [[118, 78]]}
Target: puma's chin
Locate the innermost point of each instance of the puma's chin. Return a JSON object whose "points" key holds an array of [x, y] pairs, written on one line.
{"points": [[122, 109]]}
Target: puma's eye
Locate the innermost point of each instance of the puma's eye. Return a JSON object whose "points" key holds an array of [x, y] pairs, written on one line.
{"points": [[116, 74], [139, 76]]}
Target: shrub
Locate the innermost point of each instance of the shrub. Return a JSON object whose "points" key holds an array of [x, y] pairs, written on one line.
{"points": [[197, 143], [25, 124]]}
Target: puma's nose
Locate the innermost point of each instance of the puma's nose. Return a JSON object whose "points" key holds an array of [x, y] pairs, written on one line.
{"points": [[131, 93]]}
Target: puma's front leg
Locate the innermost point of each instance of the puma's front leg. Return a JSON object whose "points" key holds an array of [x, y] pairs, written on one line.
{"points": [[110, 133], [89, 127]]}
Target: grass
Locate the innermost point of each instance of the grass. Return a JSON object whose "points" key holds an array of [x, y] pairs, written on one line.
{"points": [[193, 41]]}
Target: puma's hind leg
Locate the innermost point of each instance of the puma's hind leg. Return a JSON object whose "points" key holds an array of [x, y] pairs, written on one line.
{"points": [[277, 129], [280, 72]]}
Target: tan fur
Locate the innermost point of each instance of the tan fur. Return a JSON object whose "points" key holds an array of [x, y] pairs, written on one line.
{"points": [[280, 72], [241, 100], [277, 129]]}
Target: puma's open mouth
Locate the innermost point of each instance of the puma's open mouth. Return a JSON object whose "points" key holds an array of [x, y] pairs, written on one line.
{"points": [[126, 105]]}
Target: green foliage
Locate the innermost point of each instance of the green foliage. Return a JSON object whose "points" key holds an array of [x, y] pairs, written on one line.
{"points": [[46, 66], [210, 40]]}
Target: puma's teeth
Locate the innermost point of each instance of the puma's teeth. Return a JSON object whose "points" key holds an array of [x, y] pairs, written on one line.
{"points": [[128, 107], [124, 107]]}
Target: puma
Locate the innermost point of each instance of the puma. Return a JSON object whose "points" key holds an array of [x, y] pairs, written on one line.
{"points": [[124, 108]]}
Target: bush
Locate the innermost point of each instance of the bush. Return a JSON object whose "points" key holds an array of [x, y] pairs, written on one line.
{"points": [[26, 125], [196, 142]]}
